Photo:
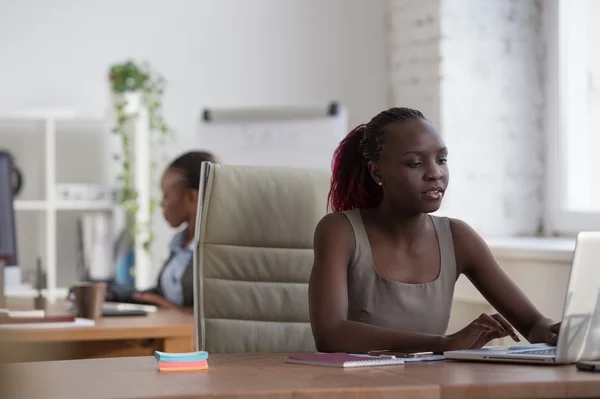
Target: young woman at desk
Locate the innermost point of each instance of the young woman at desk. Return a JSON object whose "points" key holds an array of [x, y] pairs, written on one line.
{"points": [[384, 269], [179, 184]]}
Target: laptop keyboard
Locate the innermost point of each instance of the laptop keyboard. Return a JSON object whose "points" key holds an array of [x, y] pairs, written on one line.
{"points": [[545, 351]]}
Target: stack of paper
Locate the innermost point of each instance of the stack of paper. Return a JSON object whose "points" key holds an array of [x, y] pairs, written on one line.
{"points": [[192, 361]]}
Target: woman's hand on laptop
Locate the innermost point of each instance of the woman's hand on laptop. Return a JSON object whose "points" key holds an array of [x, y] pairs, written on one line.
{"points": [[544, 331], [481, 331], [160, 301], [153, 299]]}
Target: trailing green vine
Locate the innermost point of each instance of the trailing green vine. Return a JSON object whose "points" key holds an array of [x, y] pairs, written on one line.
{"points": [[129, 77]]}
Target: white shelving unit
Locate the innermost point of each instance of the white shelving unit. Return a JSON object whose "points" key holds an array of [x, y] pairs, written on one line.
{"points": [[49, 206]]}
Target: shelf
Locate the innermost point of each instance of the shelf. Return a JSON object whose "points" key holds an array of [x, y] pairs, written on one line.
{"points": [[53, 114], [33, 205], [30, 292], [30, 205], [63, 144], [85, 205]]}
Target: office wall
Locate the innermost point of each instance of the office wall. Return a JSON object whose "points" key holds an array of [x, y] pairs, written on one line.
{"points": [[414, 56], [222, 53], [476, 69]]}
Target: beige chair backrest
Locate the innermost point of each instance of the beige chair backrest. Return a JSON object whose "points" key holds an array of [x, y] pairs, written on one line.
{"points": [[253, 257]]}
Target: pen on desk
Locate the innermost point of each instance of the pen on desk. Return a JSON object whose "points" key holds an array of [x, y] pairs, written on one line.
{"points": [[376, 355]]}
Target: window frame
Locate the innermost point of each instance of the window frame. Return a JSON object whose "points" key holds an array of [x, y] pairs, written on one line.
{"points": [[558, 220]]}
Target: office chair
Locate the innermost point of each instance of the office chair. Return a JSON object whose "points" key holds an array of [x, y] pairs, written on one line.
{"points": [[253, 256]]}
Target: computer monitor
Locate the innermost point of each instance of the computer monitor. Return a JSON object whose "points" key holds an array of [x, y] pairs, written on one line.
{"points": [[8, 237], [8, 240]]}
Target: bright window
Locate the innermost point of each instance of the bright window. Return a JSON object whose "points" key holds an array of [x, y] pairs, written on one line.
{"points": [[574, 115]]}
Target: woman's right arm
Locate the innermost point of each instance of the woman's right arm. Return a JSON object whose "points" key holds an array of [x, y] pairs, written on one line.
{"points": [[328, 300]]}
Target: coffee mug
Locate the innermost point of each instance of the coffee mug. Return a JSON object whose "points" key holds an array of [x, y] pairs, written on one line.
{"points": [[89, 298]]}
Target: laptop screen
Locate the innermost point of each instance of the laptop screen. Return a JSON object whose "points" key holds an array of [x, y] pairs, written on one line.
{"points": [[8, 241]]}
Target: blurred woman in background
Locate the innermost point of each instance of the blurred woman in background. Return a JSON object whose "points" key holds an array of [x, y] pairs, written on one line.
{"points": [[179, 184]]}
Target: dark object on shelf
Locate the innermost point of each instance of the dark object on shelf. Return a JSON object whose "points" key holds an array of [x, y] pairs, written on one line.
{"points": [[39, 302], [17, 180], [2, 296]]}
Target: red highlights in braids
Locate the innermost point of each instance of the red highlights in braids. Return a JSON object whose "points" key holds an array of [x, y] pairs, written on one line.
{"points": [[351, 183]]}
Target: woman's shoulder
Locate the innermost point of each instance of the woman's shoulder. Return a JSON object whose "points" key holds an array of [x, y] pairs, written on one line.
{"points": [[178, 239], [336, 222], [469, 245], [461, 230], [334, 227]]}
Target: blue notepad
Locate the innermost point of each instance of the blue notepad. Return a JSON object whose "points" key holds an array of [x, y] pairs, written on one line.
{"points": [[180, 357]]}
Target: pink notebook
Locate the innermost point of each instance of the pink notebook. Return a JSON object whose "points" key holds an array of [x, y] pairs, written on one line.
{"points": [[343, 360]]}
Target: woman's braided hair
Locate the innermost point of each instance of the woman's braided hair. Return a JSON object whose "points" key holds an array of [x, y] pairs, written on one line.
{"points": [[352, 186]]}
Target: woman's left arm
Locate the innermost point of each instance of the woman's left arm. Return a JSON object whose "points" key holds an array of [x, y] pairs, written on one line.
{"points": [[475, 260], [160, 301]]}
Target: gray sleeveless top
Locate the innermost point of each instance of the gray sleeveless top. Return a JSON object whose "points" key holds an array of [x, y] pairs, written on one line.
{"points": [[374, 300]]}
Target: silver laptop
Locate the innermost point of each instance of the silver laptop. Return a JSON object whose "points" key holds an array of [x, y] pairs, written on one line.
{"points": [[579, 336]]}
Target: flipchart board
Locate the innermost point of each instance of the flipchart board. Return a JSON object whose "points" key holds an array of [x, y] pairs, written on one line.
{"points": [[284, 137]]}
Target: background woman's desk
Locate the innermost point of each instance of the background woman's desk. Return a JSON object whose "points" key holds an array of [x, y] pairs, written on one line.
{"points": [[267, 376], [109, 337]]}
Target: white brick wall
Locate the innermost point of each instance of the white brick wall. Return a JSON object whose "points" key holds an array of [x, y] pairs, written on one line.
{"points": [[476, 70], [414, 55]]}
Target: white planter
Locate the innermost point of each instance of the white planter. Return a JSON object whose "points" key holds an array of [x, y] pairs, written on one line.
{"points": [[139, 132], [133, 101]]}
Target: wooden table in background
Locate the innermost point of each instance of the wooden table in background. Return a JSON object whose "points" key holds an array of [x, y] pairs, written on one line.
{"points": [[170, 331], [268, 376]]}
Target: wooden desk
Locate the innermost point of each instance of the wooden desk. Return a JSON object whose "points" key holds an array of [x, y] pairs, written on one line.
{"points": [[111, 337], [230, 376], [489, 380], [268, 376]]}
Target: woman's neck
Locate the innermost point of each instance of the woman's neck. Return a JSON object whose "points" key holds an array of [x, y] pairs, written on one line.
{"points": [[189, 232], [403, 227]]}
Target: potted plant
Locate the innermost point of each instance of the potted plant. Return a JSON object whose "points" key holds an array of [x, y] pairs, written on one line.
{"points": [[136, 87]]}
